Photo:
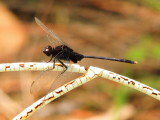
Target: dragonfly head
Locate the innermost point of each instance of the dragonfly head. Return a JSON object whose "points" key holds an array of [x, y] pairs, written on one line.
{"points": [[48, 50]]}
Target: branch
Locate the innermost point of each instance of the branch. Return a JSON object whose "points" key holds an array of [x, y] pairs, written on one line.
{"points": [[89, 74]]}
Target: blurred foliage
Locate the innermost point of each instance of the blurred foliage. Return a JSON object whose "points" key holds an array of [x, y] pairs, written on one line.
{"points": [[154, 4], [156, 51], [147, 48], [121, 96]]}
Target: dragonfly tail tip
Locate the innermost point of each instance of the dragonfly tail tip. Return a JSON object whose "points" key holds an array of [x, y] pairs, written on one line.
{"points": [[135, 62]]}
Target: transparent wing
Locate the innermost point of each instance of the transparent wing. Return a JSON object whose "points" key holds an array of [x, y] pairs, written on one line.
{"points": [[46, 82], [42, 82], [52, 37], [61, 78]]}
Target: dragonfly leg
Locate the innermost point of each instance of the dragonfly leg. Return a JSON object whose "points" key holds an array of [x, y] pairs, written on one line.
{"points": [[54, 61], [50, 59], [63, 65]]}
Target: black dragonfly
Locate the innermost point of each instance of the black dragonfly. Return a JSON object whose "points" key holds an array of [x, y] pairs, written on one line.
{"points": [[63, 52], [59, 52]]}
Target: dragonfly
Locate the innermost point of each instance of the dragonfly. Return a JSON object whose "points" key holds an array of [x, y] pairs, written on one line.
{"points": [[62, 51]]}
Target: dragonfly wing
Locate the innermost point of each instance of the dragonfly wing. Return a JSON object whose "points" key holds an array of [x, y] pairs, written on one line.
{"points": [[42, 82], [51, 35]]}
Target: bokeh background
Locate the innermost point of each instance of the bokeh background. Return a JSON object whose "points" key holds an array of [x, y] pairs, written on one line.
{"points": [[114, 28]]}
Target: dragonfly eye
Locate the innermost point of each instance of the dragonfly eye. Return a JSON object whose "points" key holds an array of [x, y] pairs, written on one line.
{"points": [[48, 50]]}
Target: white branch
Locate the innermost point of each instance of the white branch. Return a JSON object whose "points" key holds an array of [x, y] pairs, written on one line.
{"points": [[89, 74]]}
